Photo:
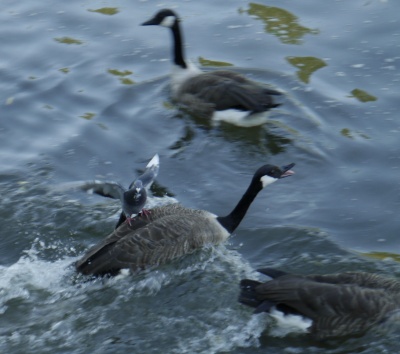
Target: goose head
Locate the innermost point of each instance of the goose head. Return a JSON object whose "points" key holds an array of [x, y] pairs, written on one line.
{"points": [[165, 18], [268, 174], [263, 177]]}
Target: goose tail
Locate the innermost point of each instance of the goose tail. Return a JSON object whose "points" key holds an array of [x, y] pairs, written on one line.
{"points": [[248, 296], [98, 262], [101, 267]]}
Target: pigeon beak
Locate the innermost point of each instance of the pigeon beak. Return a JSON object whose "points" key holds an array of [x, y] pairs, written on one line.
{"points": [[286, 171]]}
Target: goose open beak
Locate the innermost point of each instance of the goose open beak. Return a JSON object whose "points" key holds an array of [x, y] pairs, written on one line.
{"points": [[286, 170]]}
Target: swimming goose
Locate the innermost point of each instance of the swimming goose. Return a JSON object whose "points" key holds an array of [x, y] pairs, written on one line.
{"points": [[219, 94], [171, 231], [340, 304], [134, 198]]}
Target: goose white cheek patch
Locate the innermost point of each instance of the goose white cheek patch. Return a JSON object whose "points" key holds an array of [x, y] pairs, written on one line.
{"points": [[266, 180], [168, 21]]}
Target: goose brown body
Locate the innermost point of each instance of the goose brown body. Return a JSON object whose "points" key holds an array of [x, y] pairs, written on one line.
{"points": [[168, 232], [214, 93], [340, 304], [164, 234]]}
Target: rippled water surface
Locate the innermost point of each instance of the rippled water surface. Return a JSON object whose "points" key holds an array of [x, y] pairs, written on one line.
{"points": [[84, 95]]}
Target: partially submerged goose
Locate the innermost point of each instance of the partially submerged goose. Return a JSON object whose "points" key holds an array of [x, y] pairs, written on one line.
{"points": [[171, 231], [220, 94], [340, 304], [132, 199]]}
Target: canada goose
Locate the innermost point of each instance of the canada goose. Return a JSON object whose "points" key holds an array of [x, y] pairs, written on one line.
{"points": [[218, 94], [134, 198], [171, 231], [340, 304]]}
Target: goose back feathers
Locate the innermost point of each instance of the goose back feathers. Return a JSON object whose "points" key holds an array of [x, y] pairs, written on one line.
{"points": [[168, 232], [209, 94], [164, 234], [338, 304]]}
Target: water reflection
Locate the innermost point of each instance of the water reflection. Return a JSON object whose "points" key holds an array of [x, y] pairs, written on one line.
{"points": [[281, 23], [351, 135], [263, 141], [362, 95], [274, 143], [185, 140], [68, 40], [208, 62], [160, 191], [122, 76], [106, 10], [269, 139], [384, 256], [88, 115], [306, 66]]}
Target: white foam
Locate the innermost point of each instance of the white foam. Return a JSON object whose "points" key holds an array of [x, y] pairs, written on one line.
{"points": [[285, 324], [213, 258], [213, 325], [30, 274], [238, 334]]}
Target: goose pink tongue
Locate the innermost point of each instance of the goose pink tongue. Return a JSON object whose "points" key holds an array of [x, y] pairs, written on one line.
{"points": [[287, 170], [287, 173]]}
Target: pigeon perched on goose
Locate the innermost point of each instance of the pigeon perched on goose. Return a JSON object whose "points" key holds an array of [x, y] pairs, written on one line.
{"points": [[132, 199], [171, 231], [342, 304], [220, 94]]}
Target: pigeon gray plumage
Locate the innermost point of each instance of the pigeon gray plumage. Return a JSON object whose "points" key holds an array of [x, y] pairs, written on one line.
{"points": [[132, 199]]}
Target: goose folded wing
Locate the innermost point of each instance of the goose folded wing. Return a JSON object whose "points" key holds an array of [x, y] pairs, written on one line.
{"points": [[328, 327], [83, 264], [155, 243], [362, 279], [354, 310], [227, 95], [329, 304], [298, 294], [196, 106], [240, 79]]}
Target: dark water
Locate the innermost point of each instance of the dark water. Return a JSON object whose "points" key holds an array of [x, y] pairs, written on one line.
{"points": [[84, 95]]}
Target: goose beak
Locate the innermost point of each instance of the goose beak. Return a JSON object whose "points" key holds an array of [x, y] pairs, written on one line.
{"points": [[151, 22], [286, 170]]}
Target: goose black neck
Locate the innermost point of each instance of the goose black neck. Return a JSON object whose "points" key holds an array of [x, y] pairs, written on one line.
{"points": [[232, 221], [178, 46]]}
